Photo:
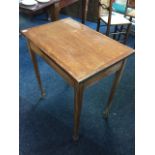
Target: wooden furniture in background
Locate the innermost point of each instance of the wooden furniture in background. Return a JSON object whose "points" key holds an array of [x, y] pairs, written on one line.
{"points": [[75, 10], [130, 13], [82, 59], [130, 9], [53, 7], [111, 18]]}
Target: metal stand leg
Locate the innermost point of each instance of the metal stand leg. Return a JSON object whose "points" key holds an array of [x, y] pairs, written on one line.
{"points": [[113, 90], [77, 110]]}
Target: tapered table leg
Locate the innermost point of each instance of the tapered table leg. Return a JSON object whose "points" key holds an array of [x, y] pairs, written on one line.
{"points": [[116, 81], [35, 64], [77, 110]]}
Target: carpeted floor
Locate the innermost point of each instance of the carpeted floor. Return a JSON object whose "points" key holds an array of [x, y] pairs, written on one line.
{"points": [[46, 124]]}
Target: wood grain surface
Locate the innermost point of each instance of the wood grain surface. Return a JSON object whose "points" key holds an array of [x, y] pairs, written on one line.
{"points": [[79, 50]]}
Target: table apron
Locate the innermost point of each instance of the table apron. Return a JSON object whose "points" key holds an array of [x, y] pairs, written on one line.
{"points": [[87, 82], [53, 64], [100, 75]]}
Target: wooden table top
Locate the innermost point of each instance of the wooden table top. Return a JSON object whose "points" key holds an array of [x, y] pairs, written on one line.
{"points": [[76, 48]]}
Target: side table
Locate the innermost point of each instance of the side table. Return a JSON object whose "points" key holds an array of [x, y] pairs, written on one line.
{"points": [[80, 55]]}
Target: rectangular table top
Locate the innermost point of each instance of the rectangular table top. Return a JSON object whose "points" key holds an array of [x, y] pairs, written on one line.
{"points": [[76, 48]]}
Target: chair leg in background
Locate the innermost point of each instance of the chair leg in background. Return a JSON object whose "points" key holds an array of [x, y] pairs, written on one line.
{"points": [[127, 33], [121, 29], [98, 25], [108, 30], [114, 36]]}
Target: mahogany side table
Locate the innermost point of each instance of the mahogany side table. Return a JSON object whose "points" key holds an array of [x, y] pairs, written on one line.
{"points": [[80, 55]]}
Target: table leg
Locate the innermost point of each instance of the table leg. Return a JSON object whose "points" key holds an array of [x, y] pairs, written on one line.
{"points": [[84, 10], [77, 110], [35, 64], [116, 81], [55, 10]]}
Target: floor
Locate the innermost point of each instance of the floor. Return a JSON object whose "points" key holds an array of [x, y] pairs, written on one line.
{"points": [[46, 123]]}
